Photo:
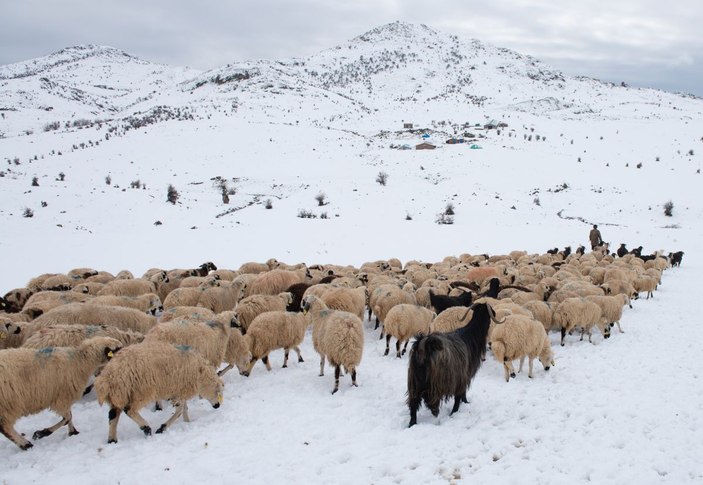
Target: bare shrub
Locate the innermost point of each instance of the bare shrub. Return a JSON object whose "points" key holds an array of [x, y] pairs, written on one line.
{"points": [[172, 194], [668, 209], [382, 178], [320, 198]]}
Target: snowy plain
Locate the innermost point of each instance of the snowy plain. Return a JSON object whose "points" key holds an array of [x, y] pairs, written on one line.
{"points": [[625, 410]]}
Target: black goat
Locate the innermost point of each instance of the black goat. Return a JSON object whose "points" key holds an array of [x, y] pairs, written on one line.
{"points": [[622, 250], [442, 366], [675, 258], [442, 302]]}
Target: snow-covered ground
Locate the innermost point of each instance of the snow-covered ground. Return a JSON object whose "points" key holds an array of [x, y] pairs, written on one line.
{"points": [[625, 410]]}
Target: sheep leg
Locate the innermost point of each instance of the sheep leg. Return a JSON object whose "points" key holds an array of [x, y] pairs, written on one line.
{"points": [[179, 405], [66, 418], [353, 373], [322, 365], [619, 328], [530, 361], [397, 349], [522, 361], [377, 322], [141, 422], [265, 360], [113, 417], [388, 343], [583, 330], [297, 351], [336, 379], [285, 357], [186, 418], [222, 372], [8, 430], [405, 347], [563, 335], [158, 406]]}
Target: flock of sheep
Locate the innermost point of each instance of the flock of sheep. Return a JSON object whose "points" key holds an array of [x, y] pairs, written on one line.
{"points": [[162, 336]]}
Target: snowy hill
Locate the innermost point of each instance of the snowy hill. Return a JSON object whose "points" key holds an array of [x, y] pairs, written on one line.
{"points": [[91, 137]]}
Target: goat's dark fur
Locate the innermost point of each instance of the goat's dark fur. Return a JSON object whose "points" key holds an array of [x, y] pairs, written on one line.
{"points": [[622, 250], [442, 302], [465, 284], [442, 366], [205, 268], [581, 250], [329, 278], [637, 251], [297, 290]]}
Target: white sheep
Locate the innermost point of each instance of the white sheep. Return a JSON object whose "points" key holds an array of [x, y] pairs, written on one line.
{"points": [[154, 371], [277, 280], [207, 337], [346, 299], [645, 284], [404, 321], [222, 298], [611, 307], [579, 312], [275, 330], [252, 306], [74, 335], [543, 312], [43, 301], [134, 287], [451, 319], [385, 297], [50, 378], [187, 312], [147, 303], [519, 337], [337, 336], [89, 314]]}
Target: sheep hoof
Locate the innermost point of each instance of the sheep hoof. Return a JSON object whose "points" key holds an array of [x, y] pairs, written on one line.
{"points": [[39, 434], [285, 366], [73, 433], [335, 390], [386, 352], [146, 430], [27, 446], [161, 429], [300, 359], [398, 355], [512, 374], [111, 441]]}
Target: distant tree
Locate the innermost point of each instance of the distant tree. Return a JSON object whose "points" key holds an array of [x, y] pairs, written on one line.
{"points": [[268, 204], [668, 209], [108, 180], [172, 194], [449, 209], [28, 212], [382, 178], [35, 182], [62, 176]]}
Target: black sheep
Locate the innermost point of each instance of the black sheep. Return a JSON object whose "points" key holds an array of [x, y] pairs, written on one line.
{"points": [[675, 258], [622, 250], [442, 366], [297, 290]]}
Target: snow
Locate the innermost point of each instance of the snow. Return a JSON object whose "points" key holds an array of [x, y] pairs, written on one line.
{"points": [[617, 411]]}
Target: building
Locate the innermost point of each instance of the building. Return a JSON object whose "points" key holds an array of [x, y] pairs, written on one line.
{"points": [[408, 126], [425, 146]]}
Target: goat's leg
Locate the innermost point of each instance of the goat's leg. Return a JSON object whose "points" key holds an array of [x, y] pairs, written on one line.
{"points": [[457, 403], [413, 404]]}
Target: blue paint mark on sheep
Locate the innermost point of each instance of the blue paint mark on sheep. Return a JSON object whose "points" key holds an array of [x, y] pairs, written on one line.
{"points": [[184, 348], [91, 330], [45, 352], [324, 313]]}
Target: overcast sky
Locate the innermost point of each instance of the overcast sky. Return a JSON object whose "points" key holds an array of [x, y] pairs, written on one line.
{"points": [[641, 42]]}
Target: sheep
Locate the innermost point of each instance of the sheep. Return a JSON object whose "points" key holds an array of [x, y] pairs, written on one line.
{"points": [[521, 337], [337, 336], [404, 321], [277, 280], [52, 377], [187, 312], [581, 312], [125, 274], [443, 365], [222, 298], [646, 284], [252, 306], [676, 258], [73, 335], [346, 299], [42, 302], [616, 287], [275, 330], [88, 287], [89, 314], [450, 319], [237, 352], [611, 307], [385, 297], [147, 303], [59, 282], [202, 281], [14, 300], [6, 329], [134, 287], [442, 302], [101, 277], [256, 268], [153, 371], [188, 296], [82, 273], [543, 312]]}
